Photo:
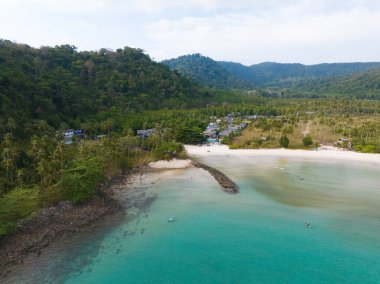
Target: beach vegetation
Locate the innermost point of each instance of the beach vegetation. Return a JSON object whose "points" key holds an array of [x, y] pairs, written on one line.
{"points": [[18, 204], [307, 141], [189, 135], [80, 178], [169, 150], [284, 141]]}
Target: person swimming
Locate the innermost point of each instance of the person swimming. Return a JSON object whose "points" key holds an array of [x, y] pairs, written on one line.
{"points": [[307, 224]]}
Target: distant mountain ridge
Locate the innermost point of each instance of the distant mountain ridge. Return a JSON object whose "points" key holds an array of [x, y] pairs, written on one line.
{"points": [[224, 74], [207, 71], [364, 85], [283, 74]]}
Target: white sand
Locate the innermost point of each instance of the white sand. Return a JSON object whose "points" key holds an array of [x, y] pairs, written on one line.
{"points": [[323, 153], [172, 164]]}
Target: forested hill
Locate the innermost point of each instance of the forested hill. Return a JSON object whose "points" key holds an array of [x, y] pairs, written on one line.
{"points": [[278, 74], [59, 84], [233, 75], [364, 85], [207, 72]]}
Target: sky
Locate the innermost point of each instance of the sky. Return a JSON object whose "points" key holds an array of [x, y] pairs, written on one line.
{"points": [[245, 31]]}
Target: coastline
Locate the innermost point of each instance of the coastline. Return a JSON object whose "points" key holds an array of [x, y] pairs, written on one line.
{"points": [[51, 226], [115, 198], [321, 153], [61, 222], [123, 197], [119, 201]]}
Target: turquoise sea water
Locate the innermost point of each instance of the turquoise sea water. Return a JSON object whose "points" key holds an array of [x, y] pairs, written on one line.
{"points": [[256, 236]]}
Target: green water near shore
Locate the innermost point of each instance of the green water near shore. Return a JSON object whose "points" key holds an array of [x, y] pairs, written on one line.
{"points": [[256, 236]]}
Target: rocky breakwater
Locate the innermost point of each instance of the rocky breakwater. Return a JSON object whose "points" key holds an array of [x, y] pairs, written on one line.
{"points": [[225, 182]]}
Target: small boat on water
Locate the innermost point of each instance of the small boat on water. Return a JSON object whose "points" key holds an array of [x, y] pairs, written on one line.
{"points": [[171, 219], [307, 224]]}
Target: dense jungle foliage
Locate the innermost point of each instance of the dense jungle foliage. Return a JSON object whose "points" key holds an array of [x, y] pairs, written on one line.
{"points": [[59, 84], [363, 86]]}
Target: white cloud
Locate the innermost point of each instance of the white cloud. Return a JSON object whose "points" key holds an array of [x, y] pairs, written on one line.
{"points": [[248, 31], [287, 34]]}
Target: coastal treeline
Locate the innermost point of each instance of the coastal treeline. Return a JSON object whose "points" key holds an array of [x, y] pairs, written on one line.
{"points": [[44, 170], [293, 123]]}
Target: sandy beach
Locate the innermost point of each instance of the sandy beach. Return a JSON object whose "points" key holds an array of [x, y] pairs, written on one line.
{"points": [[172, 164], [321, 153]]}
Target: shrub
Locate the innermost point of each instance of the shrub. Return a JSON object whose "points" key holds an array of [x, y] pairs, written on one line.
{"points": [[307, 141], [235, 146], [368, 149], [284, 141]]}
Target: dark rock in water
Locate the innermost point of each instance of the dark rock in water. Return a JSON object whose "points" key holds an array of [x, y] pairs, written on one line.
{"points": [[224, 181]]}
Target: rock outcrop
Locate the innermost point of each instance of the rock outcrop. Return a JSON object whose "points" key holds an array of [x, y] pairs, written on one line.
{"points": [[51, 225]]}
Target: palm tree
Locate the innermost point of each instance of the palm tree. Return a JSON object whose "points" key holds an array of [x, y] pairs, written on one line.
{"points": [[11, 125], [9, 157]]}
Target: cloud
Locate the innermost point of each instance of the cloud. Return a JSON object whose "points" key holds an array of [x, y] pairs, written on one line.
{"points": [[291, 33], [248, 31]]}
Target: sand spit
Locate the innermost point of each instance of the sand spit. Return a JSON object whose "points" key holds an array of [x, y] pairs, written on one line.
{"points": [[172, 164]]}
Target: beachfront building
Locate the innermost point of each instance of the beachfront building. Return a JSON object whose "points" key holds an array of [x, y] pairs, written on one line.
{"points": [[69, 134], [210, 133], [144, 133]]}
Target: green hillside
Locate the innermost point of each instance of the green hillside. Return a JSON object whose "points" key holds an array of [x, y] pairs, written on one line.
{"points": [[231, 75], [59, 84], [279, 74], [206, 71], [364, 85]]}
